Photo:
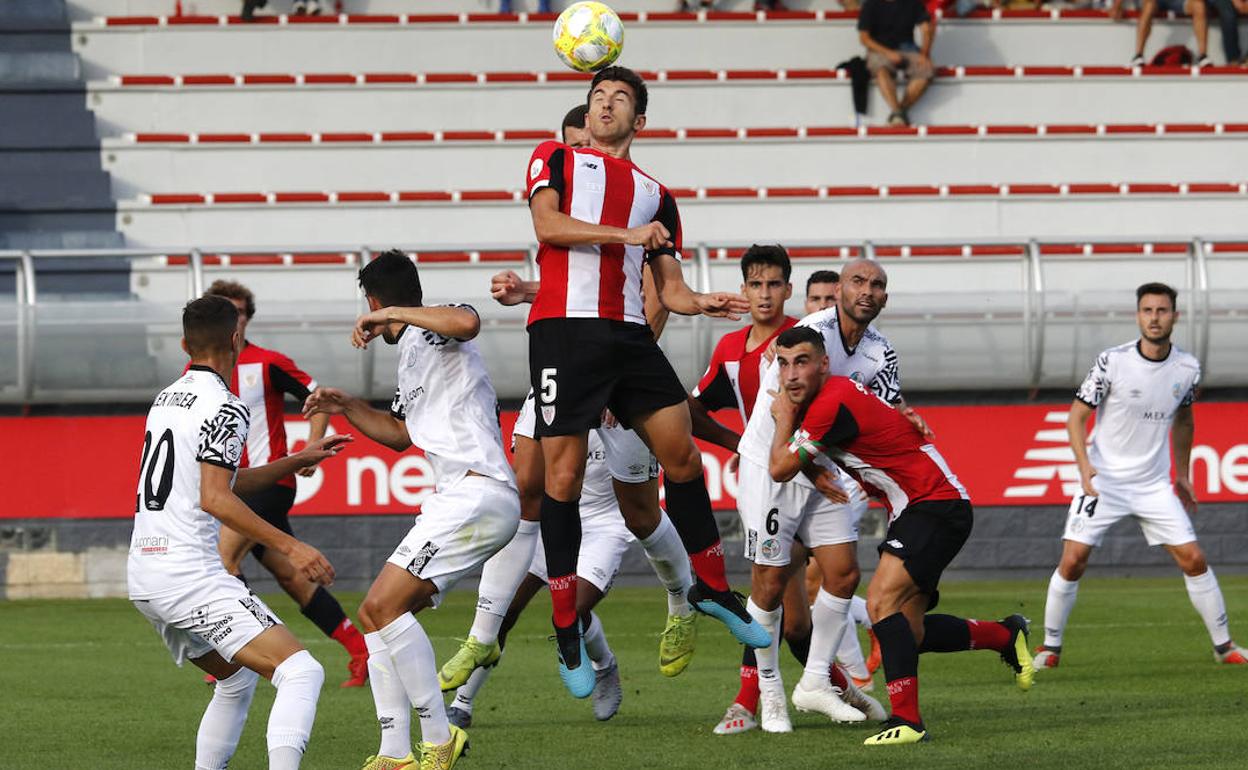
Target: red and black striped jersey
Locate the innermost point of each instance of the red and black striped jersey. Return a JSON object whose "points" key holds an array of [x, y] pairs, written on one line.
{"points": [[857, 430], [597, 281]]}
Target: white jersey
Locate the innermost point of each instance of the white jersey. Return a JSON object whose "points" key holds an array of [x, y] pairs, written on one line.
{"points": [[446, 399], [1135, 400], [195, 420], [872, 363]]}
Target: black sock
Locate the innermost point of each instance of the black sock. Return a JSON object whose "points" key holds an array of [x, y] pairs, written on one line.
{"points": [[945, 633], [748, 658], [800, 647], [324, 610], [901, 665], [689, 507], [561, 537]]}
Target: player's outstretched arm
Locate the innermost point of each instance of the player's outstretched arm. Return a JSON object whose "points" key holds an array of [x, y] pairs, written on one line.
{"points": [[220, 501], [380, 426], [508, 288], [677, 297], [1077, 427], [709, 429], [456, 322], [252, 480], [1181, 435]]}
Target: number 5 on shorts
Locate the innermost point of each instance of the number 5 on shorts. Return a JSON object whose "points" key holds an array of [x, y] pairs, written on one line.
{"points": [[550, 388]]}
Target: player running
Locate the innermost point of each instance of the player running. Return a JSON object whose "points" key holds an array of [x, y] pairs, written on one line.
{"points": [[822, 419], [445, 404], [262, 378], [1142, 393], [634, 478], [603, 544], [189, 484], [599, 218]]}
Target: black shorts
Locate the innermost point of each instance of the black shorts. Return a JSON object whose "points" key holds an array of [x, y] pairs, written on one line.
{"points": [[273, 505], [926, 536], [579, 366]]}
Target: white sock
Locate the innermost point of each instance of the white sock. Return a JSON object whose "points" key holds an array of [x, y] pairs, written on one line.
{"points": [[768, 657], [858, 611], [298, 680], [1206, 596], [223, 720], [828, 618], [1057, 607], [596, 647], [467, 692], [671, 564], [412, 653], [394, 713], [500, 577], [849, 654]]}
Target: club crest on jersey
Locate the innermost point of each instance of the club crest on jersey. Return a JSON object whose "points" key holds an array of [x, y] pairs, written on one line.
{"points": [[250, 380], [650, 187], [548, 414], [1178, 391], [535, 168]]}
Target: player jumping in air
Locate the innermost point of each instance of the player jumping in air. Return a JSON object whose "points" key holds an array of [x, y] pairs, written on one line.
{"points": [[821, 420], [634, 478], [189, 484], [445, 404], [262, 379], [1142, 393], [599, 218]]}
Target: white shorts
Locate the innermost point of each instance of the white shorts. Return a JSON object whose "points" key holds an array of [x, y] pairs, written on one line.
{"points": [[773, 515], [628, 458], [604, 539], [215, 613], [457, 530], [1155, 506]]}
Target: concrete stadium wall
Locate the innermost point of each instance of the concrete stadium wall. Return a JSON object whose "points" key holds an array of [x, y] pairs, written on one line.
{"points": [[42, 558]]}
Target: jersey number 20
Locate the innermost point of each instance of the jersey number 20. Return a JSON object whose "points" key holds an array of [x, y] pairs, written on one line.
{"points": [[157, 461]]}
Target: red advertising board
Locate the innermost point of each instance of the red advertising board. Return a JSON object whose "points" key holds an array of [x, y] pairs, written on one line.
{"points": [[85, 467]]}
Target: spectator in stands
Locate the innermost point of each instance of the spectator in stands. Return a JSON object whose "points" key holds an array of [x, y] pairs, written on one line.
{"points": [[543, 6], [1148, 9], [886, 28], [1228, 19], [298, 8]]}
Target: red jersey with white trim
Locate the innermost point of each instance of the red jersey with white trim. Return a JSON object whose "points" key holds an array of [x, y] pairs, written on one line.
{"points": [[732, 378], [856, 429], [602, 281], [262, 379]]}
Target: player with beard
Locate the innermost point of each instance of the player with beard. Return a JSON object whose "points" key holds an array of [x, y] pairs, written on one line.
{"points": [[821, 420], [599, 218]]}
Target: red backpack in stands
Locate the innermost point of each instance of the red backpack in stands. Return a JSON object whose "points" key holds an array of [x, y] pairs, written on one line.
{"points": [[1173, 56]]}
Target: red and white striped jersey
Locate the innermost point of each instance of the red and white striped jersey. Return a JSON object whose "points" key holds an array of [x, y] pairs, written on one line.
{"points": [[262, 379], [731, 379], [597, 281], [856, 429]]}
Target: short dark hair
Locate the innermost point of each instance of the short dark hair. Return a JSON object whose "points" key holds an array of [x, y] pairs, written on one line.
{"points": [[623, 75], [796, 335], [1155, 287], [574, 119], [233, 290], [392, 279], [208, 324], [773, 255], [822, 276]]}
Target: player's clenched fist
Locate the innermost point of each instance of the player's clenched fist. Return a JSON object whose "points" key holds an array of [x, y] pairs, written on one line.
{"points": [[368, 327], [311, 563], [507, 288], [652, 236]]}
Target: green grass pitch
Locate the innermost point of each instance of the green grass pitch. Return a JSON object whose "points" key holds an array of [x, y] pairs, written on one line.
{"points": [[88, 684]]}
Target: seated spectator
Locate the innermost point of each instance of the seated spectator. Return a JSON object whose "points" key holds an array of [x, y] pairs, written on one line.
{"points": [[543, 6], [886, 28], [298, 8], [1148, 9], [1228, 20]]}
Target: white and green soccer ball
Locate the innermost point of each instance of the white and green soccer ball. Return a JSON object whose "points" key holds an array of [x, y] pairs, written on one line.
{"points": [[588, 36]]}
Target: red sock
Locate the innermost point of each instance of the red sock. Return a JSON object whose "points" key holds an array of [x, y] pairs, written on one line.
{"points": [[747, 696], [350, 637], [563, 598], [838, 677], [988, 635], [708, 565], [903, 694]]}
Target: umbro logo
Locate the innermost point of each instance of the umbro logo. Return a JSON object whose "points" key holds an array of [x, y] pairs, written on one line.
{"points": [[895, 543]]}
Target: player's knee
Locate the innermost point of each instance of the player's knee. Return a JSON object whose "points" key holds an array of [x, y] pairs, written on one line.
{"points": [[843, 583], [563, 483], [1192, 562], [686, 465], [372, 614], [300, 668]]}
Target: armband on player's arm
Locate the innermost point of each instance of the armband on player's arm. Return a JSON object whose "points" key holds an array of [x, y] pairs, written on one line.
{"points": [[789, 456]]}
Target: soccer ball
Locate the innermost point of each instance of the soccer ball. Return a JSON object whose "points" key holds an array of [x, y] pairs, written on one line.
{"points": [[588, 36]]}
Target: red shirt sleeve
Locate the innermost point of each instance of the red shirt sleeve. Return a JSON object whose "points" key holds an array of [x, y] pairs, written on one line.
{"points": [[546, 169]]}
